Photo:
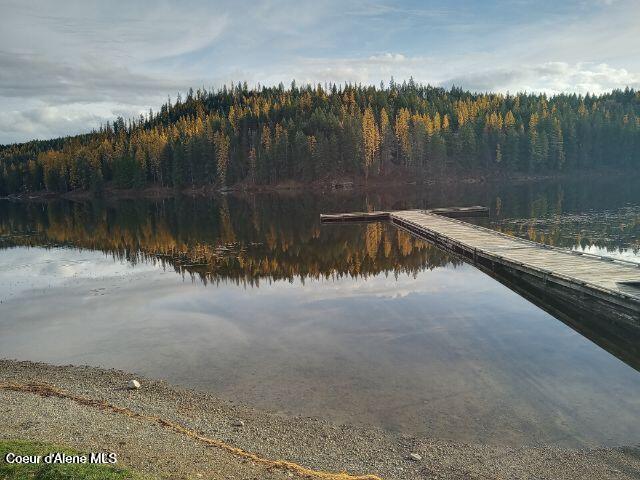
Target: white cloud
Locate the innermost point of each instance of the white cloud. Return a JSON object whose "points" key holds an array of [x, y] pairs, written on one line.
{"points": [[35, 76], [388, 58], [46, 121], [65, 65], [548, 77], [551, 77], [372, 69], [129, 31]]}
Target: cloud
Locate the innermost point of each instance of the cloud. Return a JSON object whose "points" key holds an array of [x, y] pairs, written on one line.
{"points": [[388, 58], [547, 77], [550, 77], [74, 64], [132, 31], [366, 70], [46, 121], [34, 76]]}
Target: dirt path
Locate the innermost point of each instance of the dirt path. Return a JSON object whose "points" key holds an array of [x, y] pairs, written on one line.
{"points": [[162, 450]]}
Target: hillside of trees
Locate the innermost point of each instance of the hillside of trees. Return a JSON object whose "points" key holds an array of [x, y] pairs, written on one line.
{"points": [[269, 135]]}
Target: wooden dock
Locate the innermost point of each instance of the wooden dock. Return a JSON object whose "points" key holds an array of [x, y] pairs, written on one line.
{"points": [[609, 283], [452, 212]]}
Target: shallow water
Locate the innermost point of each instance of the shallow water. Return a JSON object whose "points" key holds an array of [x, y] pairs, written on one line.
{"points": [[252, 299]]}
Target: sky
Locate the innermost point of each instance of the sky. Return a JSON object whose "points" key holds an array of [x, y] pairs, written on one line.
{"points": [[68, 66]]}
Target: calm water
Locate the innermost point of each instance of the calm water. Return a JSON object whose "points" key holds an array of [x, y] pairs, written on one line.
{"points": [[251, 298]]}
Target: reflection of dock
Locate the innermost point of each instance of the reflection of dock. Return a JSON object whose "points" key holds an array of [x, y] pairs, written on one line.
{"points": [[612, 286]]}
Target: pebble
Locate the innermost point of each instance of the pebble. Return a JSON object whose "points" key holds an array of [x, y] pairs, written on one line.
{"points": [[355, 448], [133, 385], [238, 423]]}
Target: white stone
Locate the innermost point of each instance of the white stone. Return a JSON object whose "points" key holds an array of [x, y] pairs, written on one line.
{"points": [[238, 423], [133, 385], [415, 457]]}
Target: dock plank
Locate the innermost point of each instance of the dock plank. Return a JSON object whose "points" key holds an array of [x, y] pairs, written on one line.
{"points": [[589, 273]]}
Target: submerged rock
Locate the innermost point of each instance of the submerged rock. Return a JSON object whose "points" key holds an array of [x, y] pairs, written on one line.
{"points": [[415, 457]]}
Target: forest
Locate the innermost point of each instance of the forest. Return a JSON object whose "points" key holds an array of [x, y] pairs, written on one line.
{"points": [[237, 136]]}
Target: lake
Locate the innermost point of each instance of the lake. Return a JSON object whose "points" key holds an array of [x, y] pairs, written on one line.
{"points": [[249, 297]]}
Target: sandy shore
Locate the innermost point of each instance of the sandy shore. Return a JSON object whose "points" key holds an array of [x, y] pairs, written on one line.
{"points": [[161, 452]]}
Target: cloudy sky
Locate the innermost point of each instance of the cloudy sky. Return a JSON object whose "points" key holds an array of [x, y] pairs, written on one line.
{"points": [[67, 66]]}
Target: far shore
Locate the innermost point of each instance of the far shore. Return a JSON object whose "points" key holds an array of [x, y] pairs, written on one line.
{"points": [[336, 185], [96, 411]]}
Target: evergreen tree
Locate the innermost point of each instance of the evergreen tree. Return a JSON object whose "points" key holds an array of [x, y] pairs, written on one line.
{"points": [[273, 134], [371, 141], [222, 144]]}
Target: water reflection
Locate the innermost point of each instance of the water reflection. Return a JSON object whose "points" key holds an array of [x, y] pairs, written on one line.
{"points": [[249, 238], [222, 239], [614, 233], [358, 323]]}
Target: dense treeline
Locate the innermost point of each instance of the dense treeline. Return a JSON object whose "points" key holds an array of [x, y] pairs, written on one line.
{"points": [[270, 135]]}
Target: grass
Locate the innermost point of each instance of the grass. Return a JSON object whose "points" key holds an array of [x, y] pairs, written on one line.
{"points": [[43, 471]]}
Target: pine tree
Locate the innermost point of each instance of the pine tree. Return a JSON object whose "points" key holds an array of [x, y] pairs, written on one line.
{"points": [[177, 166], [511, 154], [468, 145], [222, 144], [356, 130], [387, 142], [536, 154], [401, 129], [252, 165], [557, 146], [371, 141]]}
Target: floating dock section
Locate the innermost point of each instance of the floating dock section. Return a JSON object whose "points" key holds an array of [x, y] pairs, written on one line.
{"points": [[608, 283], [453, 212]]}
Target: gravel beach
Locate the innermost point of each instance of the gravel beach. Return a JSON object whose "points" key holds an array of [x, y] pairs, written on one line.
{"points": [[161, 452]]}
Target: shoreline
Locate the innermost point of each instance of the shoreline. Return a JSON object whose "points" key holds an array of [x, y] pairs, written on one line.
{"points": [[310, 442], [348, 184]]}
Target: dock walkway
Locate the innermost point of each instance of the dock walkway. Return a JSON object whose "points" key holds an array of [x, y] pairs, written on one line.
{"points": [[612, 281]]}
